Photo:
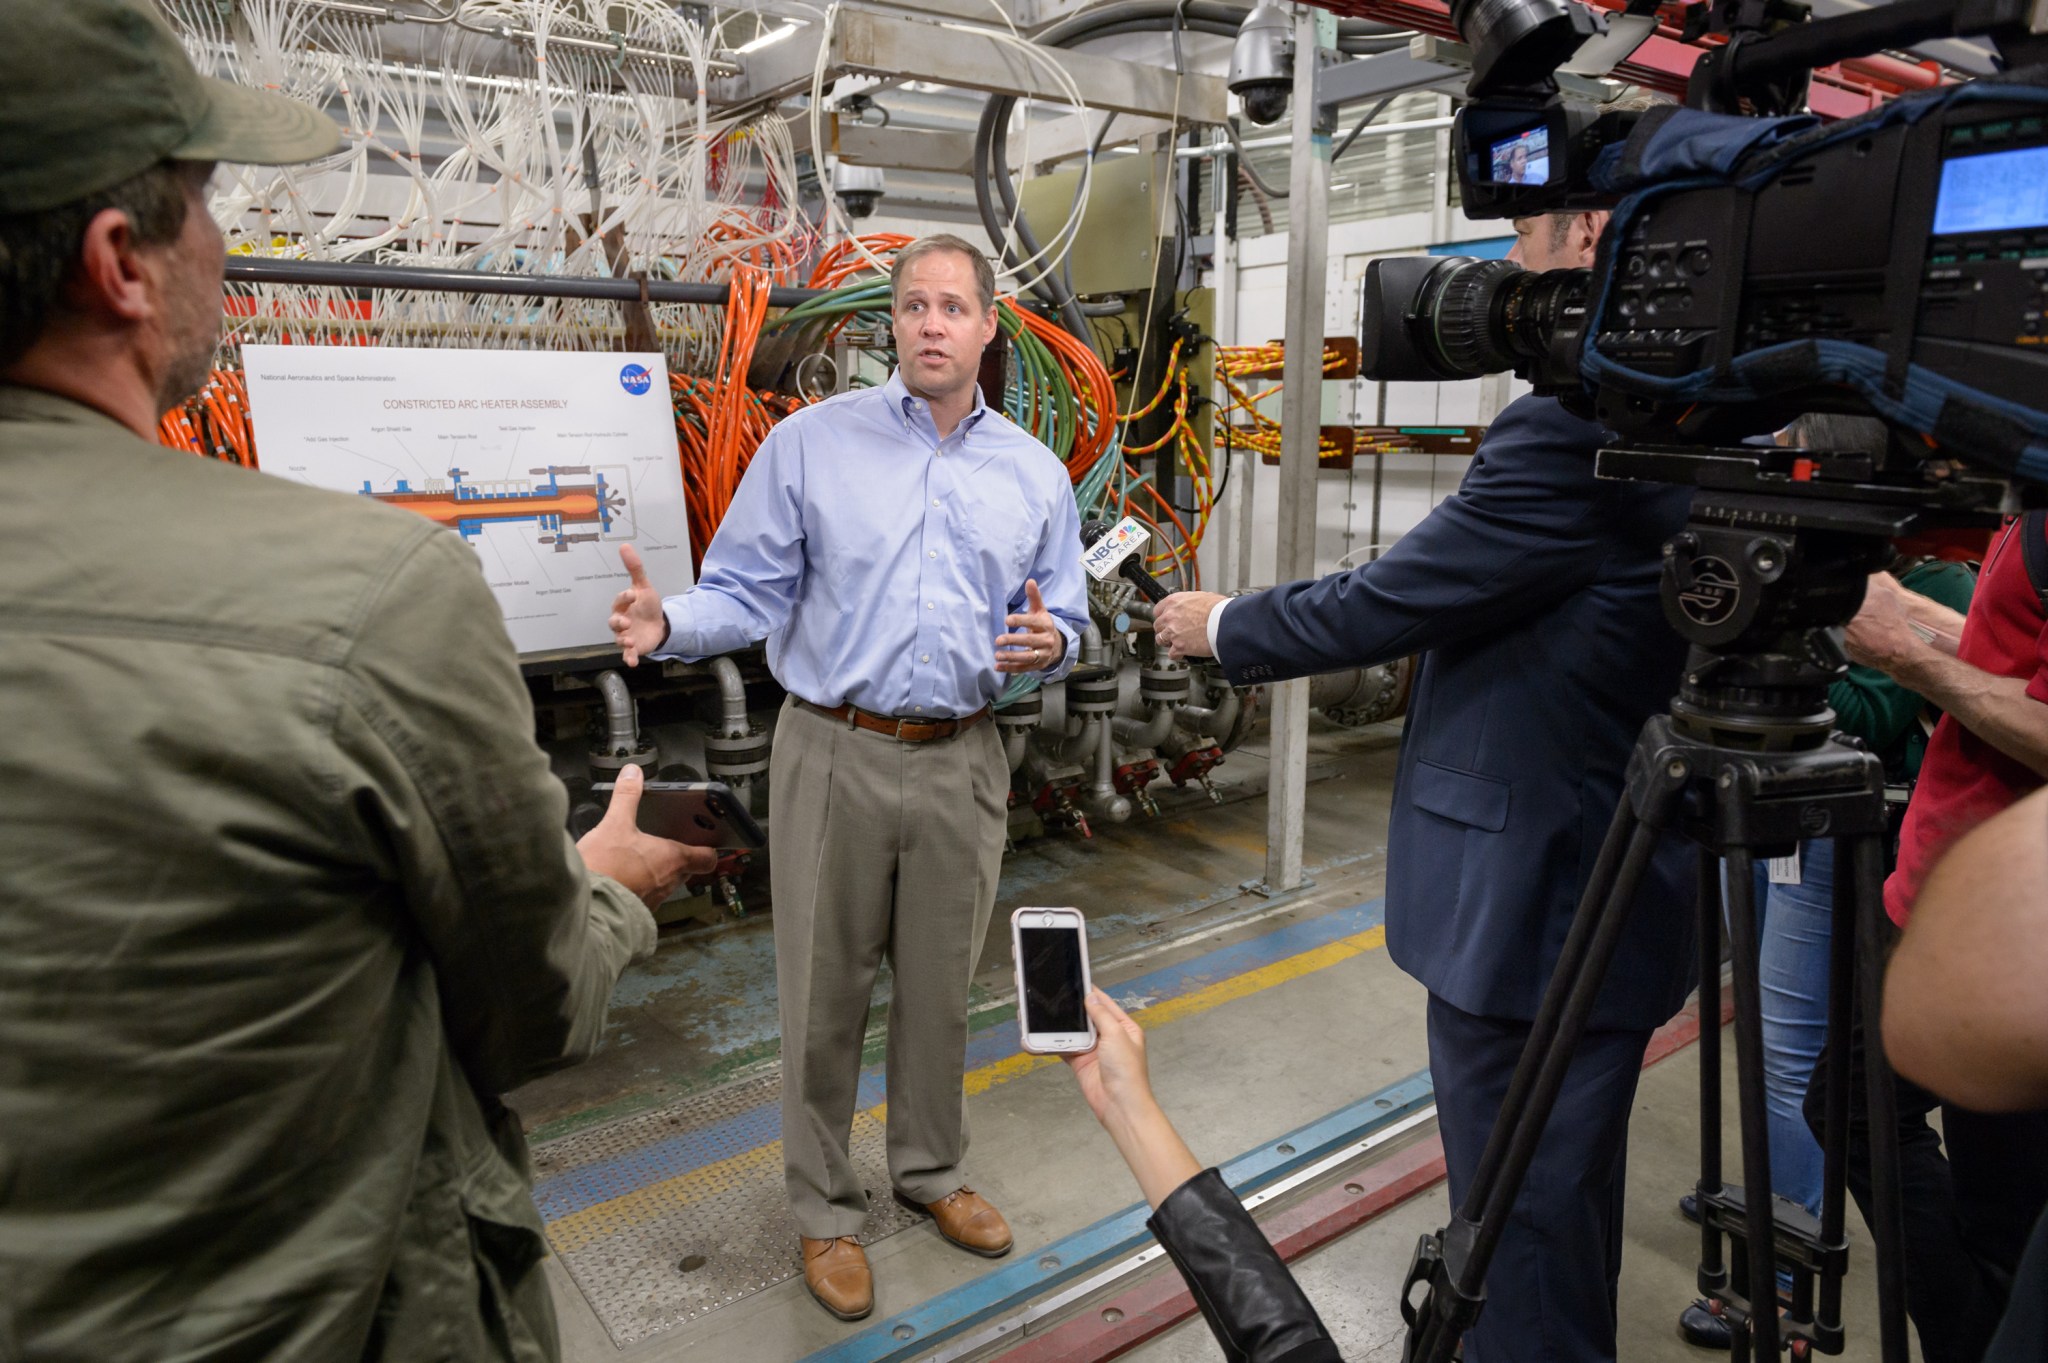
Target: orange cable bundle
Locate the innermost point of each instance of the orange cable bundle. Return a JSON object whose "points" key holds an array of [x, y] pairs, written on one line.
{"points": [[1089, 378], [720, 422], [845, 260], [214, 422]]}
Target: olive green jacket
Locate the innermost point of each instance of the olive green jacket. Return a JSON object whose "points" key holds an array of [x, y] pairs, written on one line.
{"points": [[285, 900]]}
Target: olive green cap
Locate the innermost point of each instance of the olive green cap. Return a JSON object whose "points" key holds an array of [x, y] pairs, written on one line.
{"points": [[93, 92]]}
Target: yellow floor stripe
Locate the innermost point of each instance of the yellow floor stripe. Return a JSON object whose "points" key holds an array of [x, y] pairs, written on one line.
{"points": [[582, 1228]]}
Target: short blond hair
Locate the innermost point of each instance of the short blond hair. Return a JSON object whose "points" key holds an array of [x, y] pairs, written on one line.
{"points": [[984, 273]]}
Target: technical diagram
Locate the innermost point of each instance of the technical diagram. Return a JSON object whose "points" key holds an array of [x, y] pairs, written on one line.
{"points": [[467, 507], [544, 463]]}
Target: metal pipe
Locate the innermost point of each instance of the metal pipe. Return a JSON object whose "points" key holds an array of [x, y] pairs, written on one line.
{"points": [[1102, 800], [1214, 721], [622, 720], [1016, 742], [359, 275], [732, 697], [1149, 732], [1091, 645], [1370, 130]]}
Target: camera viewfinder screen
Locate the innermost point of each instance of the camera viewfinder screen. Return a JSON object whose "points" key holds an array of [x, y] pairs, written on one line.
{"points": [[1052, 980], [2000, 191], [1524, 158]]}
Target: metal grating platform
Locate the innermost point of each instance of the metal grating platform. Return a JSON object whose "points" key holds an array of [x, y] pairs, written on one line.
{"points": [[669, 1215]]}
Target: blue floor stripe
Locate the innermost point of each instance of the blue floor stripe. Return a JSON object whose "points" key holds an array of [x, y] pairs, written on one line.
{"points": [[673, 1156], [953, 1313]]}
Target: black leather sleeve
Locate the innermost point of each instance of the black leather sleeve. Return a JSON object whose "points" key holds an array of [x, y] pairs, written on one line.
{"points": [[1253, 1305]]}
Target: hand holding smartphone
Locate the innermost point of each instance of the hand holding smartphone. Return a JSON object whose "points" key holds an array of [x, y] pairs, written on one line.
{"points": [[696, 813], [1050, 947]]}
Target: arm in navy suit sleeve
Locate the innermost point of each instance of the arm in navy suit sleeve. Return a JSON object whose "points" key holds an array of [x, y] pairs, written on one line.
{"points": [[1530, 525]]}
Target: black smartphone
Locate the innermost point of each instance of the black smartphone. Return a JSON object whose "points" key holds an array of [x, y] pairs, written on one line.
{"points": [[700, 813]]}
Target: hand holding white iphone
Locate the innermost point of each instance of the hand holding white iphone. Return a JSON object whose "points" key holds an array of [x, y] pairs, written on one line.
{"points": [[1050, 947]]}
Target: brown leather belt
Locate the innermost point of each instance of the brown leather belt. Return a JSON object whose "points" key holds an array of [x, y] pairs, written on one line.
{"points": [[903, 730]]}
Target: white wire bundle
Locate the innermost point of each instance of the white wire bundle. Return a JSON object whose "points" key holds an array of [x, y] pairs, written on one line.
{"points": [[675, 193]]}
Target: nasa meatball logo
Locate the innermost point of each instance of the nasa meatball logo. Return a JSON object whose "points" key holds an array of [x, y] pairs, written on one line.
{"points": [[635, 379], [1711, 598]]}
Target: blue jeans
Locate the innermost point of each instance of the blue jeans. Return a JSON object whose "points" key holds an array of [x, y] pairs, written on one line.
{"points": [[1793, 972]]}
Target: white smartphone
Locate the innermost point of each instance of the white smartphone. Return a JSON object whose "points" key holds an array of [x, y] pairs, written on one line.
{"points": [[1050, 947]]}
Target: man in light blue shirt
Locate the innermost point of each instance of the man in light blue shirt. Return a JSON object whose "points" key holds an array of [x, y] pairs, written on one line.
{"points": [[903, 550]]}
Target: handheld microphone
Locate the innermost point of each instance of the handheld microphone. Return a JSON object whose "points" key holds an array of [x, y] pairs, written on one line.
{"points": [[1128, 566]]}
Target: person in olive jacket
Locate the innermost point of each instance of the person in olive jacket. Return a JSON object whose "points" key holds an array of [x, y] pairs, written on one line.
{"points": [[286, 893]]}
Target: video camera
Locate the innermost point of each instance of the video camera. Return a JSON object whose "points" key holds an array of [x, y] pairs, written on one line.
{"points": [[1757, 265], [1755, 268]]}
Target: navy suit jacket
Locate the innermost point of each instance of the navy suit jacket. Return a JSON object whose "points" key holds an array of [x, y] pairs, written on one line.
{"points": [[1532, 597]]}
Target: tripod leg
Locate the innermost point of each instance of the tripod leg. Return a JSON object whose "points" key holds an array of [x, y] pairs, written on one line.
{"points": [[1888, 1228], [1713, 1269], [1835, 1138], [1759, 1231]]}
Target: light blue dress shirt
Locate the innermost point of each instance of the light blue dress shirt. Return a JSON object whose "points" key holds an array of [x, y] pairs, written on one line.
{"points": [[879, 561]]}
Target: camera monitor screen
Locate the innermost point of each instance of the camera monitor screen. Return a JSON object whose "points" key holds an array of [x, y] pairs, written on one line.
{"points": [[2000, 191], [1053, 1000], [1524, 158]]}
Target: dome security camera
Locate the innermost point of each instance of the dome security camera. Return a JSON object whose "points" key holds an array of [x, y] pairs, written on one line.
{"points": [[859, 188], [1262, 63]]}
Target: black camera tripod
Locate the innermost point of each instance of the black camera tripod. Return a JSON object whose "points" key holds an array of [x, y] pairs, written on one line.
{"points": [[1745, 764]]}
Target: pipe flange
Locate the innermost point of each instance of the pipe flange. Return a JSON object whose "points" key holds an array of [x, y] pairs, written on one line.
{"points": [[605, 763], [1094, 696], [1163, 683], [1025, 712], [736, 755]]}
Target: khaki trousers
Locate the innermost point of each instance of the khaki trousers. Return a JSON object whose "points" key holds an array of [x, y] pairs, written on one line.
{"points": [[882, 849]]}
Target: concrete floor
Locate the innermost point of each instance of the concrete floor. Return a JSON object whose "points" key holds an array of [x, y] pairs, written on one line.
{"points": [[1295, 1042], [702, 1011], [1353, 1280]]}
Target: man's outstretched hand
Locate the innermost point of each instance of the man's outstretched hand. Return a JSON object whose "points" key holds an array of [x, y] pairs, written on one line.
{"points": [[646, 865], [1036, 642], [638, 623]]}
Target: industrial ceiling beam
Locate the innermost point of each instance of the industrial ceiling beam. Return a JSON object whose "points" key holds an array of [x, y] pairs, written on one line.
{"points": [[865, 43], [892, 148]]}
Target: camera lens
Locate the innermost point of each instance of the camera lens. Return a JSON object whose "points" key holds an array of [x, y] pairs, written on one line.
{"points": [[1453, 317], [1266, 102]]}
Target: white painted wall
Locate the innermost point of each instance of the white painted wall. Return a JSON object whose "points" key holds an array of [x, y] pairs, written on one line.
{"points": [[1412, 484]]}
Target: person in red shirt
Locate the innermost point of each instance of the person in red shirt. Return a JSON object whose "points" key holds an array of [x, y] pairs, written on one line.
{"points": [[1972, 1193], [1989, 673]]}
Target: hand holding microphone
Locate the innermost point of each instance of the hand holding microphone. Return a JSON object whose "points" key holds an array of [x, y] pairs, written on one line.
{"points": [[1180, 620], [1130, 567]]}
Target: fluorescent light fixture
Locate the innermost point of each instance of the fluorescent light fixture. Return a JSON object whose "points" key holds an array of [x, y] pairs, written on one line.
{"points": [[770, 38]]}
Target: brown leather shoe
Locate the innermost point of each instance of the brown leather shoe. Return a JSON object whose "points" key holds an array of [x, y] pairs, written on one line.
{"points": [[836, 1272], [967, 1219]]}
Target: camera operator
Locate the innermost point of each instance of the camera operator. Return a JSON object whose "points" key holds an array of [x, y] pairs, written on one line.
{"points": [[286, 898], [1532, 596], [1967, 1211]]}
